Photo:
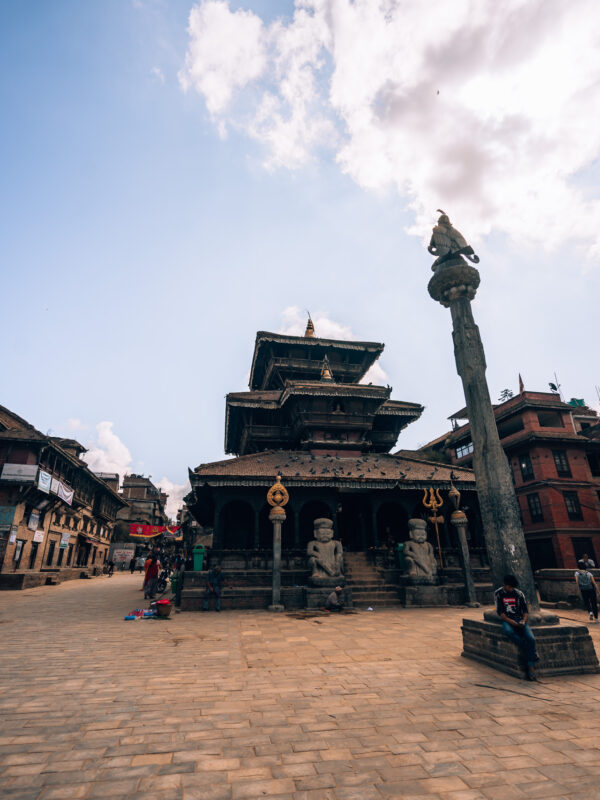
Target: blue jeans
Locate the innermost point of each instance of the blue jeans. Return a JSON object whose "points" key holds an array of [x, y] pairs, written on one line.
{"points": [[524, 638], [207, 594]]}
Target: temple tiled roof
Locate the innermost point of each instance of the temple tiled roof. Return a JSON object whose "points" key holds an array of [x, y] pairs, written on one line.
{"points": [[367, 469]]}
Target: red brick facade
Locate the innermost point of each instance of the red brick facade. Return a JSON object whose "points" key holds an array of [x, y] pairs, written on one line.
{"points": [[555, 471]]}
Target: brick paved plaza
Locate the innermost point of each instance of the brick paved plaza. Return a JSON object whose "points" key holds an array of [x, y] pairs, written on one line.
{"points": [[246, 705]]}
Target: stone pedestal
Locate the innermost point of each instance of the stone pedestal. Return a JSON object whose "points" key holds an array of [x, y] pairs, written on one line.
{"points": [[564, 649], [316, 596], [425, 595]]}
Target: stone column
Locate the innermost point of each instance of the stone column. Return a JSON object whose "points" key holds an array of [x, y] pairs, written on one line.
{"points": [[459, 521], [277, 517], [454, 285], [277, 497]]}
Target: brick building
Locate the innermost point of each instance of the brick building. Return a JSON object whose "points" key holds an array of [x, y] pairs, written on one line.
{"points": [[146, 505], [56, 516], [553, 449]]}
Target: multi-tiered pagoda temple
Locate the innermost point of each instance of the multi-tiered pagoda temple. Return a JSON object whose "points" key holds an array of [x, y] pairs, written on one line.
{"points": [[308, 417]]}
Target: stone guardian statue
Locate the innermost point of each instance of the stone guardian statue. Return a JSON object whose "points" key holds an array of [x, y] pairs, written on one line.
{"points": [[419, 557], [325, 555]]}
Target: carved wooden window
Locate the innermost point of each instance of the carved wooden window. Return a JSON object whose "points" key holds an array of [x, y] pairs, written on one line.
{"points": [[526, 467], [535, 507], [573, 505], [464, 450], [562, 463]]}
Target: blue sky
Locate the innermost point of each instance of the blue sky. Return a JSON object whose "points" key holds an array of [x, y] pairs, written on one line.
{"points": [[142, 248]]}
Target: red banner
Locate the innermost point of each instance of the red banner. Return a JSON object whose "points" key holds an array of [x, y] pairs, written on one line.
{"points": [[149, 531]]}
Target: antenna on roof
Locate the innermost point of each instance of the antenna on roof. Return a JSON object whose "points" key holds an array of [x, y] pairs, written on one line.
{"points": [[556, 387]]}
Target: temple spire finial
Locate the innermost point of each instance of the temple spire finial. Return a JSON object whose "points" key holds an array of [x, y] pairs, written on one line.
{"points": [[310, 328], [326, 371]]}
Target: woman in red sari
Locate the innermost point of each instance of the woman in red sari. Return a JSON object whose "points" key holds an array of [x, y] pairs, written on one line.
{"points": [[151, 578]]}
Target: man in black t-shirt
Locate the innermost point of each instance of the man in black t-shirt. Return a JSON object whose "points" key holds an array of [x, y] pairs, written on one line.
{"points": [[511, 607]]}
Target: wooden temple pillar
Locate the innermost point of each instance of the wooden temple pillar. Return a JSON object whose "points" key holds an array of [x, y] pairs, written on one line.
{"points": [[363, 531], [256, 528], [374, 509], [217, 532], [297, 530]]}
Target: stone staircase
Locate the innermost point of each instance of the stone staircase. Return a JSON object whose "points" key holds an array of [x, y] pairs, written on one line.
{"points": [[367, 584]]}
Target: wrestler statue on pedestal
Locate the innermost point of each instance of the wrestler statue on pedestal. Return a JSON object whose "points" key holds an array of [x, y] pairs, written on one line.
{"points": [[325, 555]]}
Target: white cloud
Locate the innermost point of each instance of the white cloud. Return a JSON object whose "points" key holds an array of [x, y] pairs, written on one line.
{"points": [[294, 324], [226, 52], [176, 492], [158, 74], [74, 425], [108, 453], [487, 110]]}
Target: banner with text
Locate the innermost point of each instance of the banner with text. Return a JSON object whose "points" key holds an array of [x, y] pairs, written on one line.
{"points": [[172, 532]]}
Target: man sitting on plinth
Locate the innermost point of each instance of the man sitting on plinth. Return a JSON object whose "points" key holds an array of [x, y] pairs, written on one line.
{"points": [[511, 607], [334, 601]]}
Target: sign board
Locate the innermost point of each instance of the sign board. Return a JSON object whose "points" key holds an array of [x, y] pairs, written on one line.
{"points": [[44, 481], [59, 488], [13, 535], [6, 516], [38, 536], [120, 556], [20, 473], [34, 519], [64, 540]]}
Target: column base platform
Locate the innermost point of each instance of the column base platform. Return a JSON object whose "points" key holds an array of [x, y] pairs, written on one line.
{"points": [[277, 607], [564, 649]]}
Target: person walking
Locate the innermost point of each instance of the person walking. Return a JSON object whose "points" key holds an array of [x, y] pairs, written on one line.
{"points": [[179, 578], [213, 586], [586, 562], [511, 607], [147, 563], [589, 591], [111, 568], [139, 563], [151, 578], [132, 565]]}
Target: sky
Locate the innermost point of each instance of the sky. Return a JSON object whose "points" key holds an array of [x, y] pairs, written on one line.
{"points": [[177, 176]]}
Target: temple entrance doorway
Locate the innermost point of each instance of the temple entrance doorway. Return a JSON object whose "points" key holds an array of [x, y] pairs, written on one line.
{"points": [[353, 514], [392, 524]]}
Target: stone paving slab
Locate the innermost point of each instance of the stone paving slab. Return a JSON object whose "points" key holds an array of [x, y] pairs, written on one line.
{"points": [[243, 705]]}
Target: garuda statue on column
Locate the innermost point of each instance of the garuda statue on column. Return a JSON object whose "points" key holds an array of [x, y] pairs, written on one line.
{"points": [[447, 243]]}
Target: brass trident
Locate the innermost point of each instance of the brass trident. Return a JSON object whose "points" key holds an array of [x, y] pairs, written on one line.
{"points": [[434, 503]]}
